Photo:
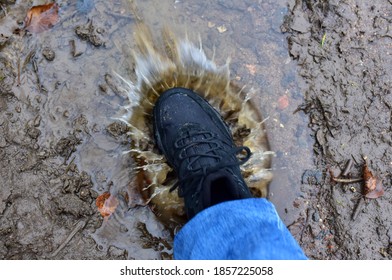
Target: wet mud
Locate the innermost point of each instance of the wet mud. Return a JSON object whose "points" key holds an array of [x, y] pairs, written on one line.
{"points": [[343, 51], [62, 145]]}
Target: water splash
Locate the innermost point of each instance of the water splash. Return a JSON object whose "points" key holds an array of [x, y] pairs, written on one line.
{"points": [[170, 62]]}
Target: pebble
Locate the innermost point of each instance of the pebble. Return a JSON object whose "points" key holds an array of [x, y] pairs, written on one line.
{"points": [[37, 121], [48, 53], [316, 216], [3, 142]]}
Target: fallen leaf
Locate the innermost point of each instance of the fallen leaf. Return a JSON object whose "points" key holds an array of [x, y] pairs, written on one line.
{"points": [[369, 179], [106, 204], [42, 17], [377, 192], [372, 185], [283, 102]]}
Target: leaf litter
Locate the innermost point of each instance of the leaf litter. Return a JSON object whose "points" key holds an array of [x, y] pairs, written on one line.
{"points": [[41, 18], [106, 204], [373, 187]]}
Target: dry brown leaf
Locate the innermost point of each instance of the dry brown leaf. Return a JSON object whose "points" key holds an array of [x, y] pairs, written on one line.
{"points": [[106, 204], [372, 185], [42, 17], [369, 179]]}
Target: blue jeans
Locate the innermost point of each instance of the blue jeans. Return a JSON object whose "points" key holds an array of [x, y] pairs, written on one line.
{"points": [[238, 229]]}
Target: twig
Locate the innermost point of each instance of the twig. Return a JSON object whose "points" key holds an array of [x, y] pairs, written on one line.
{"points": [[36, 71], [81, 224], [305, 225], [358, 208], [4, 9], [69, 165], [324, 114], [28, 58], [19, 83], [346, 180], [348, 167]]}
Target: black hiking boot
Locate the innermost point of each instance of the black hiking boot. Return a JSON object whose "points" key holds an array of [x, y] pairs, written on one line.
{"points": [[198, 144]]}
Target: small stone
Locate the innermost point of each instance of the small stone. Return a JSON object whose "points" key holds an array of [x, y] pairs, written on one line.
{"points": [[316, 216], [3, 142], [222, 29], [84, 193], [3, 40], [103, 88], [57, 85], [37, 121], [100, 30], [48, 53], [33, 133], [77, 48], [210, 24]]}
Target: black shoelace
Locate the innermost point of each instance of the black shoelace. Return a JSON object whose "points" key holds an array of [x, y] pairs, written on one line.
{"points": [[194, 178]]}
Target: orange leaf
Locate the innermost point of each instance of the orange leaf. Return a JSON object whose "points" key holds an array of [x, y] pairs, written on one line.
{"points": [[373, 186], [106, 204], [369, 179], [42, 17]]}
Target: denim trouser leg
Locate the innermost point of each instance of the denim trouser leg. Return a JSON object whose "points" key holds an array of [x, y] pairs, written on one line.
{"points": [[238, 229]]}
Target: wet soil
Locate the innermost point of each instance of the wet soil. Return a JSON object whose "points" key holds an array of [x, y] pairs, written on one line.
{"points": [[61, 147], [343, 50]]}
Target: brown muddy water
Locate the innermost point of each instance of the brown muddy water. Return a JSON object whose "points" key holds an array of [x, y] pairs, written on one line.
{"points": [[62, 145]]}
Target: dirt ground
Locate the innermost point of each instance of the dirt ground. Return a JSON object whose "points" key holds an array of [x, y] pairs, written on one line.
{"points": [[343, 50], [60, 146]]}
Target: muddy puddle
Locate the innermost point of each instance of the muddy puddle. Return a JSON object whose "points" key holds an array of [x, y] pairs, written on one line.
{"points": [[62, 144]]}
